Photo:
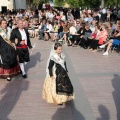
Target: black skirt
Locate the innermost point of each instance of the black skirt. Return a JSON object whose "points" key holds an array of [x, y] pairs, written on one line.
{"points": [[8, 55], [23, 55], [8, 64], [63, 83]]}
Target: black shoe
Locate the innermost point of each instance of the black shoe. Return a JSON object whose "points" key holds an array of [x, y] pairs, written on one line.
{"points": [[20, 72], [24, 76], [60, 104], [8, 79]]}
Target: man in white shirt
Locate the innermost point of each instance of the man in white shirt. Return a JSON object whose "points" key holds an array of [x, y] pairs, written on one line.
{"points": [[104, 14], [20, 37], [104, 11], [43, 6]]}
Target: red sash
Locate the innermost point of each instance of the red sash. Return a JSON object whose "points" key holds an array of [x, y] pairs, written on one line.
{"points": [[22, 46]]}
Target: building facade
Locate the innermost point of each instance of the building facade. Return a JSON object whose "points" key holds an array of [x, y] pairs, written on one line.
{"points": [[12, 4]]}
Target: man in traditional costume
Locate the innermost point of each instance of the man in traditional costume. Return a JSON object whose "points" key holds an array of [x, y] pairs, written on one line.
{"points": [[8, 58], [20, 37]]}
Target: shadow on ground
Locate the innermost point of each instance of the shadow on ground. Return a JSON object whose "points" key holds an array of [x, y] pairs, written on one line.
{"points": [[104, 113], [33, 61], [10, 95], [63, 114], [116, 93]]}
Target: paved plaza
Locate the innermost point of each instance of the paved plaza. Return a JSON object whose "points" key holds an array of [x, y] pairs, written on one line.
{"points": [[96, 81]]}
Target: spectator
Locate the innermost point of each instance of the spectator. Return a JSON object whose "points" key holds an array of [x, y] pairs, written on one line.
{"points": [[108, 15], [54, 32], [10, 22], [72, 31], [92, 26], [93, 39], [60, 31], [90, 19], [84, 37], [104, 15], [96, 17], [103, 35], [43, 28], [114, 41], [47, 31]]}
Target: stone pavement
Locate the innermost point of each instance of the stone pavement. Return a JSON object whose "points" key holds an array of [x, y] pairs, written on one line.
{"points": [[96, 81]]}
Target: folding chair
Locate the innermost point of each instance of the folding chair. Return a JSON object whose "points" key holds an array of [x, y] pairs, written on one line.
{"points": [[115, 47]]}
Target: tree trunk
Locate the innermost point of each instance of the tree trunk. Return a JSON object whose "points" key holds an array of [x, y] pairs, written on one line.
{"points": [[102, 3]]}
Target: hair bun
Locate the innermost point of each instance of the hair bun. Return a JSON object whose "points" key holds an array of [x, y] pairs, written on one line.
{"points": [[57, 45]]}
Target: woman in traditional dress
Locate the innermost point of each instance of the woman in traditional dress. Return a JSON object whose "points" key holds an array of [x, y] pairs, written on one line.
{"points": [[57, 87], [8, 58]]}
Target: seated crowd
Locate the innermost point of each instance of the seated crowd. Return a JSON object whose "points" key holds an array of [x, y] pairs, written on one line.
{"points": [[54, 25], [88, 35]]}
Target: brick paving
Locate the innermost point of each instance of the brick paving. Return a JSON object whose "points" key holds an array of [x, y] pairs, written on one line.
{"points": [[100, 78], [96, 80]]}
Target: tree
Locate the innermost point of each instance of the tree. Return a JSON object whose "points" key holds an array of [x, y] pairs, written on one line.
{"points": [[79, 3], [73, 3], [59, 3], [35, 3], [112, 3]]}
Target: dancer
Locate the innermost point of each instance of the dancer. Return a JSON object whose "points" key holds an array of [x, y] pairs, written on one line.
{"points": [[8, 59], [57, 87], [20, 37]]}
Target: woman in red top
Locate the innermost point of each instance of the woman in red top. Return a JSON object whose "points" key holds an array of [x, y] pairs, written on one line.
{"points": [[102, 36]]}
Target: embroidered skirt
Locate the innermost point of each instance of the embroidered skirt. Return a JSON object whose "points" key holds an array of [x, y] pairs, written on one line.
{"points": [[50, 95], [4, 73]]}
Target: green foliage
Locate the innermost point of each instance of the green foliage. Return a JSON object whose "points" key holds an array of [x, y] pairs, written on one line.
{"points": [[112, 3], [37, 2], [59, 3], [79, 3], [73, 3], [94, 3]]}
